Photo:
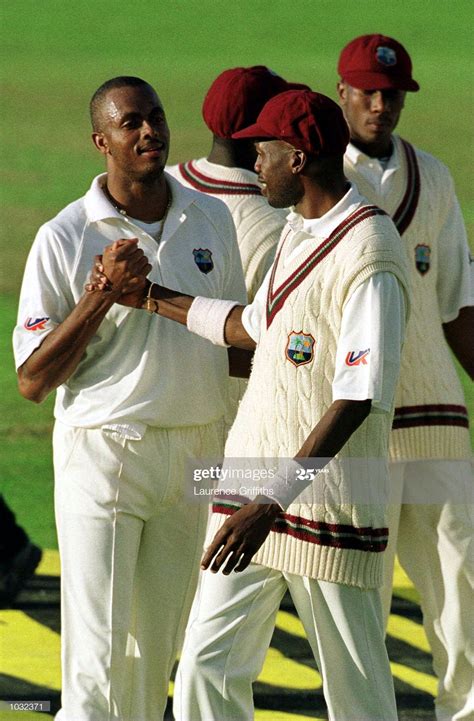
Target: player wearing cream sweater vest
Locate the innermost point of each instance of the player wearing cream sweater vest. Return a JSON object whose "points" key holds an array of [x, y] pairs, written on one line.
{"points": [[431, 517], [342, 267]]}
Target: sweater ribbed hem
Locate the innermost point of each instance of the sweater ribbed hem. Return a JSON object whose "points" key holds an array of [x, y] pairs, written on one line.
{"points": [[426, 442], [324, 563]]}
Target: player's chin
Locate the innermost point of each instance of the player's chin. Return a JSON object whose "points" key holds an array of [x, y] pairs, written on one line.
{"points": [[151, 171], [280, 201], [378, 132]]}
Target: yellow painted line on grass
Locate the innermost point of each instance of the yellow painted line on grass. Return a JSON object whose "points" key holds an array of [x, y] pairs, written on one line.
{"points": [[402, 586], [29, 650], [416, 679], [404, 629], [284, 672], [291, 624], [278, 670], [49, 565]]}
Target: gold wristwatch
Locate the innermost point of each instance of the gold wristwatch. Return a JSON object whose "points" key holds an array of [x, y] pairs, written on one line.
{"points": [[150, 304]]}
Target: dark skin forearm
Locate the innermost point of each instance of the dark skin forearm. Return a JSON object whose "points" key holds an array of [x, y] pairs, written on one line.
{"points": [[243, 533], [460, 333], [341, 420], [58, 356], [175, 306]]}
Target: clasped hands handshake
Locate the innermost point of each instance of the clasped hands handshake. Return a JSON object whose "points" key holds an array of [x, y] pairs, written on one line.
{"points": [[122, 269]]}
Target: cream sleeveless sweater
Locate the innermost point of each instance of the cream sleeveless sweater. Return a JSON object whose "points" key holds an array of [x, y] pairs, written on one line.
{"points": [[333, 541], [430, 419]]}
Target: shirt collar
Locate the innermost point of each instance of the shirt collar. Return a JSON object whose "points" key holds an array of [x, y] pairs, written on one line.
{"points": [[324, 226], [99, 207], [357, 157]]}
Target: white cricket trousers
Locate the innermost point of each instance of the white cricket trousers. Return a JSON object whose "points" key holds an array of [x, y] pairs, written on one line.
{"points": [[230, 630], [435, 546], [130, 546]]}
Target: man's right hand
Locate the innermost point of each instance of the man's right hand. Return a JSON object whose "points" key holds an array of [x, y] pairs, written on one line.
{"points": [[123, 267]]}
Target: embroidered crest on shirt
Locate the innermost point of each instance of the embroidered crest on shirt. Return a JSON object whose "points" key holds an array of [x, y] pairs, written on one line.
{"points": [[299, 348], [422, 258], [35, 323], [203, 259], [357, 358], [386, 56]]}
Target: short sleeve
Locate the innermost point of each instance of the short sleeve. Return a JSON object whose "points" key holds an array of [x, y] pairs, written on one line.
{"points": [[254, 313], [45, 297], [370, 342]]}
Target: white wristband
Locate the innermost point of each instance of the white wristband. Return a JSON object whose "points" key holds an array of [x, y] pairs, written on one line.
{"points": [[288, 483], [207, 317]]}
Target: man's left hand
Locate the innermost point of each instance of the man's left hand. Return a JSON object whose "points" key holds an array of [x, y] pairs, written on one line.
{"points": [[240, 537]]}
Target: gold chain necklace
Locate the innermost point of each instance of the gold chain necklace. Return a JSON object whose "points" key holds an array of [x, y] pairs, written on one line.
{"points": [[123, 212]]}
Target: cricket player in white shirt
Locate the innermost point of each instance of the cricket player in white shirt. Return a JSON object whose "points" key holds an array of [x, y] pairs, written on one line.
{"points": [[136, 398]]}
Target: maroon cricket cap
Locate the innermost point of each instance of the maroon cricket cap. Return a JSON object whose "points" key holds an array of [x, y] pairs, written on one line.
{"points": [[309, 121], [236, 97], [376, 62]]}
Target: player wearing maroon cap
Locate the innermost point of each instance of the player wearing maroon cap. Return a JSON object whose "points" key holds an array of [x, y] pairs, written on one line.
{"points": [[338, 279], [233, 102], [430, 509]]}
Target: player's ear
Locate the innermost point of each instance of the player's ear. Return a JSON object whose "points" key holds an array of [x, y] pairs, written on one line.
{"points": [[298, 161], [342, 91], [100, 142]]}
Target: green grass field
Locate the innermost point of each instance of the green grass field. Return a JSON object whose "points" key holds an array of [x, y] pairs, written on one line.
{"points": [[54, 56]]}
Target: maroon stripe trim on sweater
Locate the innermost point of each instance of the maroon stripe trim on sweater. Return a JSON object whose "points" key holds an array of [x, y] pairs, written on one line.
{"points": [[277, 298], [206, 184], [407, 208], [441, 414], [322, 534]]}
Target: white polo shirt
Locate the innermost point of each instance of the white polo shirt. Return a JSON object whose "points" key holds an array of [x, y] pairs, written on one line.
{"points": [[373, 321], [139, 369]]}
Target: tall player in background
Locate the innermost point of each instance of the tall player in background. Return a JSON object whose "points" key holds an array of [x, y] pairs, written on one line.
{"points": [[431, 519]]}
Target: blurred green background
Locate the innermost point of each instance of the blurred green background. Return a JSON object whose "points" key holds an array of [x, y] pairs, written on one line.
{"points": [[55, 54]]}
